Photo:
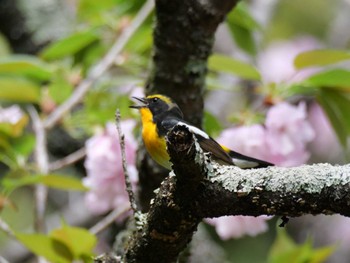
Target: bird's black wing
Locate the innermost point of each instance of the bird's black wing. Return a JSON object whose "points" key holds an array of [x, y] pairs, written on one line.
{"points": [[205, 141], [219, 153]]}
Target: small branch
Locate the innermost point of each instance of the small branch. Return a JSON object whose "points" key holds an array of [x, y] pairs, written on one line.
{"points": [[42, 161], [6, 228], [3, 260], [108, 220], [125, 165], [68, 160], [101, 67]]}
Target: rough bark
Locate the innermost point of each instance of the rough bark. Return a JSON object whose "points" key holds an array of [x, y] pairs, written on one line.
{"points": [[199, 188], [13, 27], [183, 39]]}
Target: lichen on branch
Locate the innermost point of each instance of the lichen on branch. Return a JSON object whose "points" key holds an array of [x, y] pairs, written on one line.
{"points": [[199, 188]]}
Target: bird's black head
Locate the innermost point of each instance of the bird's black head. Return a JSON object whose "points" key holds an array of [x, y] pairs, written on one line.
{"points": [[159, 105]]}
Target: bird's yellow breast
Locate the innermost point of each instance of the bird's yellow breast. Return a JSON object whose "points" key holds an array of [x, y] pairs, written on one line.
{"points": [[155, 145]]}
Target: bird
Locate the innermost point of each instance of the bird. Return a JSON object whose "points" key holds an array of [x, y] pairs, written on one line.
{"points": [[159, 114]]}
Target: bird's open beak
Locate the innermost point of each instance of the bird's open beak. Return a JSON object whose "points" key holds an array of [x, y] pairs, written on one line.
{"points": [[139, 106]]}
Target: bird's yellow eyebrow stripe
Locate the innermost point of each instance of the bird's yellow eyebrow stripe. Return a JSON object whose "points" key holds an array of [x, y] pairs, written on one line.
{"points": [[162, 97]]}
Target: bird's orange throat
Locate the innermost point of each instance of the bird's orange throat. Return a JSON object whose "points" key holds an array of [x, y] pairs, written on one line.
{"points": [[155, 145]]}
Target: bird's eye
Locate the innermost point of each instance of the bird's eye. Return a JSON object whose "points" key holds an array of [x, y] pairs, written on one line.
{"points": [[155, 99]]}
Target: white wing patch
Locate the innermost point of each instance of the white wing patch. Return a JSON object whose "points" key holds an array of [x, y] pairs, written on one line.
{"points": [[244, 164], [194, 130]]}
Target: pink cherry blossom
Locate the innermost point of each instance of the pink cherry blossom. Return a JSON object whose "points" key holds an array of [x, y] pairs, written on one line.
{"points": [[276, 63], [237, 226], [288, 132], [105, 176], [325, 147], [282, 140], [249, 140]]}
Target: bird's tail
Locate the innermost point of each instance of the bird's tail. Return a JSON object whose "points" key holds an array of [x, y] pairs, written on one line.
{"points": [[246, 162]]}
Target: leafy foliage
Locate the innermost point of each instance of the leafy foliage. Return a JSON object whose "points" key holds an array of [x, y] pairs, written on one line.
{"points": [[232, 66], [284, 249], [25, 66], [69, 45], [320, 58], [52, 180], [242, 26], [19, 90], [62, 245]]}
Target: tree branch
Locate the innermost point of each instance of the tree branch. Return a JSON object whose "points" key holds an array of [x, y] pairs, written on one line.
{"points": [[42, 162], [68, 160], [202, 188], [128, 184], [308, 189], [6, 228]]}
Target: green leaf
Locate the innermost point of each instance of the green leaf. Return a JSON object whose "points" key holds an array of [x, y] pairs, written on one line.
{"points": [[69, 45], [235, 67], [4, 46], [52, 249], [63, 182], [322, 254], [141, 41], [298, 89], [320, 58], [23, 145], [242, 25], [337, 107], [244, 38], [101, 105], [16, 129], [240, 16], [79, 240], [283, 243], [9, 184], [89, 55], [94, 11], [25, 65], [284, 249], [52, 180], [60, 89], [341, 102], [211, 124], [334, 78], [19, 90]]}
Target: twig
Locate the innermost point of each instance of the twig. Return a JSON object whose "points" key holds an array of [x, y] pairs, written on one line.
{"points": [[6, 228], [68, 160], [101, 67], [3, 260], [109, 219], [125, 168], [42, 161]]}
